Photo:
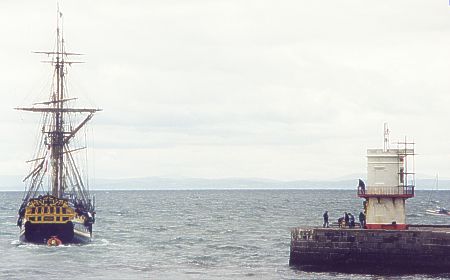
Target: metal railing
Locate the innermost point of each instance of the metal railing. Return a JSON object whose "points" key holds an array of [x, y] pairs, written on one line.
{"points": [[401, 191]]}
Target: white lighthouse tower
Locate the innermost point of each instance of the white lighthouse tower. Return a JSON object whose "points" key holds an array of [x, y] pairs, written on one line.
{"points": [[390, 181]]}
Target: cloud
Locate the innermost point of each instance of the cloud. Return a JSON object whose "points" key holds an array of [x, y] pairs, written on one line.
{"points": [[283, 90]]}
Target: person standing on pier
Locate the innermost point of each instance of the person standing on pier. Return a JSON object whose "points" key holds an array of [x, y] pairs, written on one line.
{"points": [[346, 219], [362, 219], [352, 220], [325, 219]]}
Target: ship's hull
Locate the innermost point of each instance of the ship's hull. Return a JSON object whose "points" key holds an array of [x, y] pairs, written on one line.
{"points": [[47, 217], [68, 233]]}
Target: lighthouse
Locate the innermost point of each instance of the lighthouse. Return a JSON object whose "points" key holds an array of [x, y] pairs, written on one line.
{"points": [[390, 182], [389, 245]]}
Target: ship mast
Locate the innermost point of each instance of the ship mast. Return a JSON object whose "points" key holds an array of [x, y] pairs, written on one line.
{"points": [[58, 134], [56, 145]]}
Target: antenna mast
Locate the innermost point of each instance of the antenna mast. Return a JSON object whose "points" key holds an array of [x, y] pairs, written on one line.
{"points": [[386, 137]]}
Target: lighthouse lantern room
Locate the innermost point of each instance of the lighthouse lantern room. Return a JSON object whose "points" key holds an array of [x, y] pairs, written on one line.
{"points": [[390, 181]]}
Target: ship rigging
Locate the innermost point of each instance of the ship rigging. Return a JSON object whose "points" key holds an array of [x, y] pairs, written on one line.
{"points": [[60, 207]]}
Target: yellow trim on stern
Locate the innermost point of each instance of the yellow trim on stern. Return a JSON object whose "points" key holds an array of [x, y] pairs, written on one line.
{"points": [[49, 211]]}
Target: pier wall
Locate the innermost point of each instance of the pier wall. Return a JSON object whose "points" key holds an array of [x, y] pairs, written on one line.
{"points": [[342, 249]]}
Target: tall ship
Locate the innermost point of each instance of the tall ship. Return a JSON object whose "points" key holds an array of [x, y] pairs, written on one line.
{"points": [[57, 206]]}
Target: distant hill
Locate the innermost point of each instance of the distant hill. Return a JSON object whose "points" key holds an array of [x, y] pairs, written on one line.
{"points": [[227, 183], [161, 183], [11, 183], [153, 183]]}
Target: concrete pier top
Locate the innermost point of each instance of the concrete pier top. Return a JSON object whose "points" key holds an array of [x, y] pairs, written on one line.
{"points": [[430, 227], [418, 227]]}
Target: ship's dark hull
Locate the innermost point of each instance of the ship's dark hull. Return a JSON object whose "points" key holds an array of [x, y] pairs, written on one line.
{"points": [[67, 233]]}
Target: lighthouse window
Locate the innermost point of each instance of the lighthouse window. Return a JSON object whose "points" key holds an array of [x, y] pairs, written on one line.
{"points": [[64, 210], [39, 210], [33, 210], [57, 210], [45, 209]]}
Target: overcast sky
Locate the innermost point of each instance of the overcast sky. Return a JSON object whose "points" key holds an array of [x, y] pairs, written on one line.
{"points": [[272, 89]]}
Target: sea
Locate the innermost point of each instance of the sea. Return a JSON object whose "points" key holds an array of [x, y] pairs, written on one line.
{"points": [[194, 234]]}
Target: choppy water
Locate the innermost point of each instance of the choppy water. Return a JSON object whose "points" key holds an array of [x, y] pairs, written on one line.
{"points": [[208, 234]]}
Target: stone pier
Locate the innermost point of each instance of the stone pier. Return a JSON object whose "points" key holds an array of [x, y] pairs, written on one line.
{"points": [[418, 249]]}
